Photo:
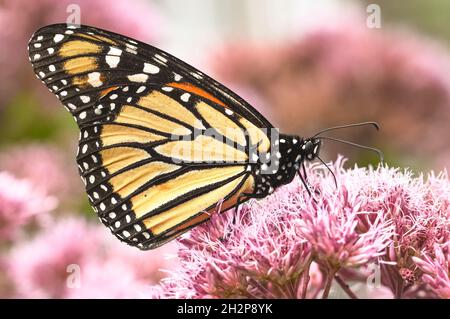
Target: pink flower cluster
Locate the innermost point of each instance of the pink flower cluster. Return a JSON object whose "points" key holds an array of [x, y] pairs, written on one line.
{"points": [[71, 258], [292, 246], [20, 202], [435, 266], [49, 170]]}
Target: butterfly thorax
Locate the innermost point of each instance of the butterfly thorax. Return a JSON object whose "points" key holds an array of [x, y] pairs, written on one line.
{"points": [[281, 167]]}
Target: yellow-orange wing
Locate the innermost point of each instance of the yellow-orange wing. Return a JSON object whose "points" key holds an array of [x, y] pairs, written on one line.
{"points": [[152, 169]]}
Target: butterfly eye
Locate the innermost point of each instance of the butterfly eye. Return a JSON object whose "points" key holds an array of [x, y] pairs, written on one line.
{"points": [[307, 146]]}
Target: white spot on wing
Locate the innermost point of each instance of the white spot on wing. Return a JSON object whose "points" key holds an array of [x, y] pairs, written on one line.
{"points": [[150, 68], [196, 75], [185, 97], [140, 89], [115, 51], [58, 37], [161, 58], [85, 98], [113, 57], [140, 77], [112, 61], [94, 79], [131, 48]]}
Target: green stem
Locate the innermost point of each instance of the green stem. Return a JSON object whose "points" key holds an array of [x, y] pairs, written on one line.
{"points": [[326, 289], [345, 287], [305, 280]]}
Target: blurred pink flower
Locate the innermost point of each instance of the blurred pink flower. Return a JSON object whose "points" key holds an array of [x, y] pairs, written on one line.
{"points": [[46, 167], [43, 267], [20, 18], [109, 279], [436, 268], [38, 267], [350, 73], [270, 249], [19, 203]]}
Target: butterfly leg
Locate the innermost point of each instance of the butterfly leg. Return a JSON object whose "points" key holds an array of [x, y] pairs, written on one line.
{"points": [[236, 210], [305, 182], [304, 179]]}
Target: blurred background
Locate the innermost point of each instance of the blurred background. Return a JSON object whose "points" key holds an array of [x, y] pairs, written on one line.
{"points": [[305, 65]]}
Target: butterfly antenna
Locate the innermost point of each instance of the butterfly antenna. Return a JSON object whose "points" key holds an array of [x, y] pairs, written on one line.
{"points": [[328, 167], [373, 149], [375, 124]]}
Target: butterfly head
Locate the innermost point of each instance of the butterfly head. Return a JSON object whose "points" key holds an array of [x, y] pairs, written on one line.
{"points": [[310, 148]]}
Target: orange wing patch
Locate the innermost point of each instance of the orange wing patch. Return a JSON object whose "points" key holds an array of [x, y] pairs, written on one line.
{"points": [[117, 134], [156, 101], [136, 116], [117, 158], [161, 194], [80, 65], [247, 187], [201, 149], [129, 181], [96, 37], [195, 90], [179, 214], [78, 47]]}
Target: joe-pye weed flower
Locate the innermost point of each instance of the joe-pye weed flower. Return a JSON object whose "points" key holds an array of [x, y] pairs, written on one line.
{"points": [[290, 245]]}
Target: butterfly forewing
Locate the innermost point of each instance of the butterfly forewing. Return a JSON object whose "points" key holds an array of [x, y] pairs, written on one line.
{"points": [[137, 107]]}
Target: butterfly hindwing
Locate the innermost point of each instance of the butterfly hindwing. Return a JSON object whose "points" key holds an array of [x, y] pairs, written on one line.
{"points": [[136, 106]]}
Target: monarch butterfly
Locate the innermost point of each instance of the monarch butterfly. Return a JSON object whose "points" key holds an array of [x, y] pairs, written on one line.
{"points": [[136, 106]]}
